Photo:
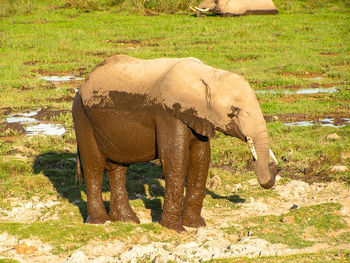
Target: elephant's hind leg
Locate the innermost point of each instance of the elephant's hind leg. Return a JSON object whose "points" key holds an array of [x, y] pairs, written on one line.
{"points": [[93, 163], [120, 209], [196, 183]]}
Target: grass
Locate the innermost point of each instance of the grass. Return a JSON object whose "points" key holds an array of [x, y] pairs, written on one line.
{"points": [[287, 51]]}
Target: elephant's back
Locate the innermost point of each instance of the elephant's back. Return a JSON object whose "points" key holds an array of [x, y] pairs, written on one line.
{"points": [[122, 74]]}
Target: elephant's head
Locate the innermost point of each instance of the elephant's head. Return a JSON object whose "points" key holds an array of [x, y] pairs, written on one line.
{"points": [[208, 99]]}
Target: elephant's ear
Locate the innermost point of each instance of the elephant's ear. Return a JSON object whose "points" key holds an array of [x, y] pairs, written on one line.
{"points": [[185, 94], [190, 117]]}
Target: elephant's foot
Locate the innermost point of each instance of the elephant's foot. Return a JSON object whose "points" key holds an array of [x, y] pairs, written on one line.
{"points": [[97, 220], [125, 215], [193, 221], [173, 224]]}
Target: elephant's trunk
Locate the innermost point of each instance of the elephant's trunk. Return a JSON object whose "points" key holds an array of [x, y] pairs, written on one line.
{"points": [[261, 144]]}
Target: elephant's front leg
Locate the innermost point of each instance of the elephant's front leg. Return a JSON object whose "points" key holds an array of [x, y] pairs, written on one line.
{"points": [[120, 209], [173, 143], [196, 183]]}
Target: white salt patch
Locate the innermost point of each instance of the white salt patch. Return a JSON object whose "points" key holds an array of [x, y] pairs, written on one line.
{"points": [[45, 128], [60, 78], [22, 117]]}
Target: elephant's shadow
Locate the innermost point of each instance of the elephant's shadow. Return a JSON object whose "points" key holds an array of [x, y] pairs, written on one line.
{"points": [[143, 182]]}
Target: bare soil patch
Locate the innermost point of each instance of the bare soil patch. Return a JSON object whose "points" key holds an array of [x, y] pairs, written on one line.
{"points": [[77, 72], [127, 41], [6, 111], [31, 63], [329, 54], [242, 59], [98, 54]]}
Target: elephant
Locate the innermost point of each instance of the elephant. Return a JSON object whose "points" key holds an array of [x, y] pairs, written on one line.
{"points": [[236, 7], [130, 110]]}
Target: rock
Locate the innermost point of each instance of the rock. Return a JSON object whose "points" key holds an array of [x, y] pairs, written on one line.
{"points": [[150, 251], [236, 187], [214, 182], [24, 249], [332, 137], [77, 257], [339, 169], [294, 189], [288, 219], [294, 207], [308, 170], [345, 155]]}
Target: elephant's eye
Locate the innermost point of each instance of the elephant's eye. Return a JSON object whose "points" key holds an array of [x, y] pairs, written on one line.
{"points": [[234, 112]]}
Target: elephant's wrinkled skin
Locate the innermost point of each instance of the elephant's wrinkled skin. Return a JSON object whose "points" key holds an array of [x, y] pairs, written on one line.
{"points": [[130, 110]]}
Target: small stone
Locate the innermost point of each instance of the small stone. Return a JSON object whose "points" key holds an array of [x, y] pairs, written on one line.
{"points": [[77, 257], [236, 187], [339, 169], [294, 207], [345, 155], [24, 249], [308, 170], [288, 219], [275, 117], [332, 137], [214, 182]]}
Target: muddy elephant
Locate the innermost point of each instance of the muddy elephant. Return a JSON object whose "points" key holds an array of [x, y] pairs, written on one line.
{"points": [[130, 110], [236, 7]]}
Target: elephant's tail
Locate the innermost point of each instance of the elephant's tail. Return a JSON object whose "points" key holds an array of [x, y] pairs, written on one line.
{"points": [[79, 172]]}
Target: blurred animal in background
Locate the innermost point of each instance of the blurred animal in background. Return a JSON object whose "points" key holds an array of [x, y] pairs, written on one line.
{"points": [[236, 7]]}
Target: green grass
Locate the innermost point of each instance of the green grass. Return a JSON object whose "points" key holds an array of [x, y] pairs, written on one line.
{"points": [[70, 37]]}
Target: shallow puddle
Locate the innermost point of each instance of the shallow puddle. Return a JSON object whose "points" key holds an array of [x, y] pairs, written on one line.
{"points": [[298, 91], [46, 129], [22, 117], [326, 122], [32, 126], [60, 78]]}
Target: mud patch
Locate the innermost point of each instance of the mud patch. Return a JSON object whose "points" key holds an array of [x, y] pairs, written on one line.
{"points": [[45, 114], [241, 59], [11, 129], [295, 119], [64, 75], [126, 41], [329, 54], [133, 43]]}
